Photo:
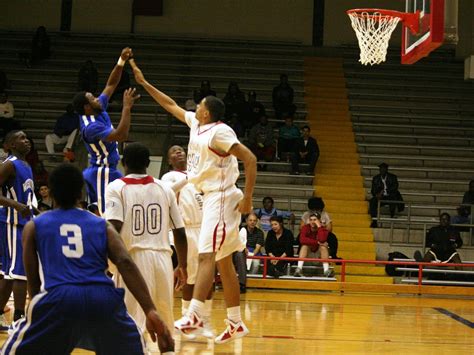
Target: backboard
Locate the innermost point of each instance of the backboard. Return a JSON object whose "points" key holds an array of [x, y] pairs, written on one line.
{"points": [[431, 30]]}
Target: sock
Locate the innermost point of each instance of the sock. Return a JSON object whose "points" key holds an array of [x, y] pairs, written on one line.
{"points": [[325, 267], [233, 314], [207, 309], [196, 306], [184, 306], [300, 264], [19, 313]]}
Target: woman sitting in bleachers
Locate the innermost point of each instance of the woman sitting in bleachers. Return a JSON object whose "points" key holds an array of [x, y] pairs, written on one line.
{"points": [[279, 243]]}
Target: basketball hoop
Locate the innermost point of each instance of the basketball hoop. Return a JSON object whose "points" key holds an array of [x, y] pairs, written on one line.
{"points": [[374, 27]]}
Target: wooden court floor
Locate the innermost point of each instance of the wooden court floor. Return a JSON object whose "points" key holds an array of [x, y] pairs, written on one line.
{"points": [[328, 323]]}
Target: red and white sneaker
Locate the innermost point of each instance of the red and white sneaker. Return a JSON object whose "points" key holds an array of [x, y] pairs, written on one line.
{"points": [[233, 331], [190, 324]]}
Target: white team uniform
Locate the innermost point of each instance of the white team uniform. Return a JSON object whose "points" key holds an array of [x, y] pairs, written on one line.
{"points": [[148, 209], [190, 203], [214, 174]]}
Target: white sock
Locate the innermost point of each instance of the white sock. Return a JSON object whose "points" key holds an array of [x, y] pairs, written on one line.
{"points": [[196, 306], [207, 309], [300, 264], [325, 267], [233, 314], [184, 306]]}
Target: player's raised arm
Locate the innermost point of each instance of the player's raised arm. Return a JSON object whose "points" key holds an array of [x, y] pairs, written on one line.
{"points": [[163, 100], [137, 286], [116, 73], [250, 169], [120, 134], [30, 259]]}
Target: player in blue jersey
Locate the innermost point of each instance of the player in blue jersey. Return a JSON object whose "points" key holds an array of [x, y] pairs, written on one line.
{"points": [[74, 303], [99, 136], [16, 200]]}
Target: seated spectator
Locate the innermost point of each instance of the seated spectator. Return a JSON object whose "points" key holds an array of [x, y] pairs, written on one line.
{"points": [[205, 90], [261, 141], [385, 187], [268, 211], [254, 241], [279, 243], [306, 151], [234, 100], [254, 110], [313, 239], [464, 211], [40, 48], [4, 82], [7, 111], [191, 103], [282, 97], [65, 131], [316, 205], [443, 240], [288, 136], [88, 77], [45, 201]]}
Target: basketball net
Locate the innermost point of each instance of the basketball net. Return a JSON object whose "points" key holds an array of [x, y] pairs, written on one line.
{"points": [[373, 31]]}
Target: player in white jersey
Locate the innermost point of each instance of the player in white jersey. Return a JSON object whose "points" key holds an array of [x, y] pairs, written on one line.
{"points": [[213, 169], [143, 209], [190, 203]]}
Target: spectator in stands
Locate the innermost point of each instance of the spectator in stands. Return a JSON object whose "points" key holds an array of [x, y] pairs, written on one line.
{"points": [[206, 90], [7, 111], [288, 136], [266, 213], [254, 241], [464, 211], [65, 131], [4, 82], [254, 110], [279, 243], [313, 239], [261, 141], [306, 151], [45, 202], [234, 100], [88, 77], [316, 205], [40, 48], [282, 96], [443, 240], [385, 188], [236, 125], [191, 103]]}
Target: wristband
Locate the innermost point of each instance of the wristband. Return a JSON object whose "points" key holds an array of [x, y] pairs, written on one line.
{"points": [[120, 62]]}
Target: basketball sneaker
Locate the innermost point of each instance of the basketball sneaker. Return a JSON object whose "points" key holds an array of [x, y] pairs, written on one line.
{"points": [[207, 330], [233, 331], [190, 324]]}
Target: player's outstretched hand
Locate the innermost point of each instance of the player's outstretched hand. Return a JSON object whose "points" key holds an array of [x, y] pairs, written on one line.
{"points": [[130, 96], [126, 53], [158, 330], [180, 278], [245, 206], [137, 73]]}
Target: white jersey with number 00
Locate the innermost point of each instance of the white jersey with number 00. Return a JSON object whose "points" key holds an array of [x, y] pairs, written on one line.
{"points": [[210, 166], [189, 199], [148, 209]]}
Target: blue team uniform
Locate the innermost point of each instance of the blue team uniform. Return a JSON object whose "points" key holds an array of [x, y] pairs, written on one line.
{"points": [[104, 155], [78, 305], [11, 222]]}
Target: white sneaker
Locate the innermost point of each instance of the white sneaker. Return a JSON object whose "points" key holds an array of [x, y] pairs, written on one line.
{"points": [[233, 331], [190, 324], [13, 327], [207, 331]]}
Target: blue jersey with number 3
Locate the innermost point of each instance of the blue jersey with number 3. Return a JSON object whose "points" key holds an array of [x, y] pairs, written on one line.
{"points": [[72, 248]]}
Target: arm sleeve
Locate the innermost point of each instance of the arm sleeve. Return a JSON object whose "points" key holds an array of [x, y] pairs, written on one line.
{"points": [[176, 220], [96, 131], [223, 139], [104, 101], [260, 239], [190, 118], [284, 214], [305, 239], [243, 235], [269, 243], [114, 205], [322, 235]]}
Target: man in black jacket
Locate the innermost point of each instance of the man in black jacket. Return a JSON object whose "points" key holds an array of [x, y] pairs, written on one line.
{"points": [[385, 187], [306, 151]]}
